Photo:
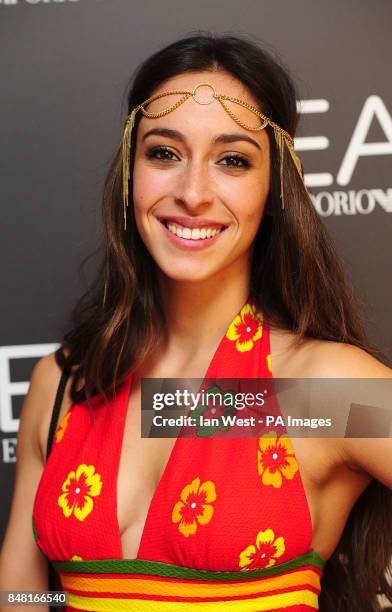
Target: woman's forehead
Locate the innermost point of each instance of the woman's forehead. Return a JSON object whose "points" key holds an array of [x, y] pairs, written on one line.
{"points": [[223, 83]]}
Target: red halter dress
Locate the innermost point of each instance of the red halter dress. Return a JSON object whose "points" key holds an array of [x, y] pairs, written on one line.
{"points": [[228, 527]]}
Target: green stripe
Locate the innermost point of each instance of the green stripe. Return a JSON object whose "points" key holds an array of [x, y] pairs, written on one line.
{"points": [[157, 568]]}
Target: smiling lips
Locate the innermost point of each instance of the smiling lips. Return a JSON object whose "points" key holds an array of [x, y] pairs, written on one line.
{"points": [[191, 229], [192, 234]]}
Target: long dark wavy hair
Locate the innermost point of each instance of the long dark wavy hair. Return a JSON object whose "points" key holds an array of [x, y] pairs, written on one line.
{"points": [[296, 280]]}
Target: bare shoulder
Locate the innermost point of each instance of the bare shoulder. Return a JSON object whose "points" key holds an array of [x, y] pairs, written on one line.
{"points": [[313, 358], [45, 375], [38, 405], [341, 360]]}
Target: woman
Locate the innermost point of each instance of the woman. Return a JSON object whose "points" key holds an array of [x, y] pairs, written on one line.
{"points": [[213, 246]]}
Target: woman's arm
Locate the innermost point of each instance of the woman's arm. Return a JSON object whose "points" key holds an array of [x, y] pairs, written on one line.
{"points": [[22, 565]]}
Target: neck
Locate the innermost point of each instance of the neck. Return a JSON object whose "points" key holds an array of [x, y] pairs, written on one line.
{"points": [[199, 313]]}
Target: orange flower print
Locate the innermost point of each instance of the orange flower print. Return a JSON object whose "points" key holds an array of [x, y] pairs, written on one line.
{"points": [[62, 427], [76, 558], [78, 490], [194, 506], [276, 460], [264, 553], [246, 328]]}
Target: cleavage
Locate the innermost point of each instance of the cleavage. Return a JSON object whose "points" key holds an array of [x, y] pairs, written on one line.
{"points": [[141, 466]]}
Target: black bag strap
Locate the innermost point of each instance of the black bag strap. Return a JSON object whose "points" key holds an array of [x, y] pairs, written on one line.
{"points": [[56, 410], [53, 584]]}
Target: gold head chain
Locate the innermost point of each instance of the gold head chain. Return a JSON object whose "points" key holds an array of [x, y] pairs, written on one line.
{"points": [[282, 137]]}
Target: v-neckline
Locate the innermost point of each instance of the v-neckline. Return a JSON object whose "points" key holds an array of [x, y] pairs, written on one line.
{"points": [[125, 408], [169, 460]]}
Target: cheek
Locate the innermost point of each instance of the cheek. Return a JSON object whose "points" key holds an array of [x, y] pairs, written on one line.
{"points": [[148, 188], [141, 189], [258, 191], [248, 200]]}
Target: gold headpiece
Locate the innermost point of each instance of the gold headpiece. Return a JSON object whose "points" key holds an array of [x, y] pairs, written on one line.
{"points": [[282, 137]]}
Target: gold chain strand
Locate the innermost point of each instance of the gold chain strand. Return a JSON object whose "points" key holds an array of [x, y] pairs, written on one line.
{"points": [[280, 142], [295, 157], [166, 111], [254, 110], [241, 123], [126, 157]]}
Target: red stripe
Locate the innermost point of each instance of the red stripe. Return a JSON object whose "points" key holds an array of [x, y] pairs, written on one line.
{"points": [[178, 598], [296, 608]]}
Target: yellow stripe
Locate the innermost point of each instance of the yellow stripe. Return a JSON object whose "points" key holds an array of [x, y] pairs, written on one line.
{"points": [[189, 589], [270, 602]]}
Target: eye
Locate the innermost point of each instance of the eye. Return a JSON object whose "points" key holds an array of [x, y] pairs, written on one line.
{"points": [[161, 153], [235, 161]]}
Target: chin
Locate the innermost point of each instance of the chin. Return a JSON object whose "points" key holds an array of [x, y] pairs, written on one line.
{"points": [[187, 275]]}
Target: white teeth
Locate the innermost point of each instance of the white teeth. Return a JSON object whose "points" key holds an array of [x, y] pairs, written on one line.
{"points": [[195, 233]]}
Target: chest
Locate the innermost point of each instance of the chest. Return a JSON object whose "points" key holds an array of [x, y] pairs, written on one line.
{"points": [[141, 466]]}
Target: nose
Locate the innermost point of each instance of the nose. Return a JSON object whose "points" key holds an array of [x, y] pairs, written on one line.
{"points": [[194, 186]]}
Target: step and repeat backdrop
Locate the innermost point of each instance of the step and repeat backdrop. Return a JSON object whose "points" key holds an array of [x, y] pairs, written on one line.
{"points": [[65, 66]]}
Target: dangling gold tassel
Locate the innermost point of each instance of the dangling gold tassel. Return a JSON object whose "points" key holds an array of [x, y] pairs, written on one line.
{"points": [[298, 165], [283, 140], [294, 156], [126, 158], [280, 143]]}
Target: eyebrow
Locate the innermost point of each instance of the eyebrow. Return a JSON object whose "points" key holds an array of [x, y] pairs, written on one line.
{"points": [[222, 138]]}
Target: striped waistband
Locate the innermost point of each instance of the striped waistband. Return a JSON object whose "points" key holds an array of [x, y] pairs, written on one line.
{"points": [[136, 585]]}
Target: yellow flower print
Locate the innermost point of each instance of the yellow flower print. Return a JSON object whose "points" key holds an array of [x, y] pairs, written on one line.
{"points": [[78, 490], [264, 554], [246, 328], [76, 558], [62, 427], [194, 506], [276, 460], [269, 365]]}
